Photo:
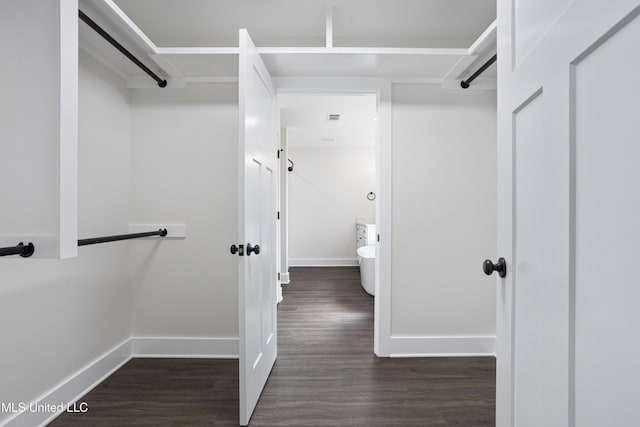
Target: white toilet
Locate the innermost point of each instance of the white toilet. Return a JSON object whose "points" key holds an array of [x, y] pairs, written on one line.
{"points": [[367, 261]]}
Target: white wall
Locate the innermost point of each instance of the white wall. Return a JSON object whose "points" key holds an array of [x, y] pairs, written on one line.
{"points": [[185, 171], [38, 114], [444, 219], [327, 191], [57, 316]]}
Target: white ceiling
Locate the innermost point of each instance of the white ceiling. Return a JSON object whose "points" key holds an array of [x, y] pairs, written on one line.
{"points": [[295, 23], [305, 117]]}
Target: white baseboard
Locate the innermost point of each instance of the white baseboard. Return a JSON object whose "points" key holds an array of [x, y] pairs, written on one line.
{"points": [[285, 278], [211, 348], [72, 389], [443, 346], [69, 391], [323, 262]]}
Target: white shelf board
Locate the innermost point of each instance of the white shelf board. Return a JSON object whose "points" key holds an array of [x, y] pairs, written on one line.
{"points": [[315, 62]]}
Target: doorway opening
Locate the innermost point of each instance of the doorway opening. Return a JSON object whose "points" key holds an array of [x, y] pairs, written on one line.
{"points": [[328, 187]]}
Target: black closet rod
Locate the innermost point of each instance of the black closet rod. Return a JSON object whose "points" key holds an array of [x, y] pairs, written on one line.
{"points": [[83, 242], [19, 249], [465, 83], [122, 49]]}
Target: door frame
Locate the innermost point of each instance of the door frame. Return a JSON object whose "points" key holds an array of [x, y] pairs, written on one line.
{"points": [[382, 90]]}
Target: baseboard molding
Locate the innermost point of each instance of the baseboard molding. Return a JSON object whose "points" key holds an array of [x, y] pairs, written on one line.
{"points": [[72, 389], [69, 391], [428, 346], [211, 348], [323, 262], [284, 278]]}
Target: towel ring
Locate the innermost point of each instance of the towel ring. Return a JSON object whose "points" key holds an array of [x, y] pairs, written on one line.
{"points": [[371, 196]]}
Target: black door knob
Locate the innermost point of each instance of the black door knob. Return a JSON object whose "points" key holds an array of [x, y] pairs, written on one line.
{"points": [[237, 249], [501, 267], [255, 249]]}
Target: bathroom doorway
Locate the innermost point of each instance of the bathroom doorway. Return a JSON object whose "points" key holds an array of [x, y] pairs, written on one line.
{"points": [[329, 189]]}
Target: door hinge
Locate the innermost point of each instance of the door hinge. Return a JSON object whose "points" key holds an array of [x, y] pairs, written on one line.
{"points": [[278, 276], [278, 214], [280, 150], [378, 237]]}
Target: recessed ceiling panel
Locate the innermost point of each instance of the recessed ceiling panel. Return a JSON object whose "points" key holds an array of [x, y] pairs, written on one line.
{"points": [[411, 23], [215, 23]]}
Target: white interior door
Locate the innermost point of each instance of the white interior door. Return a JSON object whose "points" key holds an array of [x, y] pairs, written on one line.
{"points": [[569, 212], [257, 226]]}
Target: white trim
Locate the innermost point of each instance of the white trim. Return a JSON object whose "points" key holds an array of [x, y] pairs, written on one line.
{"points": [[323, 262], [486, 41], [76, 386], [314, 50], [212, 348], [284, 278], [68, 131], [384, 224], [197, 51], [362, 51], [129, 23], [437, 346]]}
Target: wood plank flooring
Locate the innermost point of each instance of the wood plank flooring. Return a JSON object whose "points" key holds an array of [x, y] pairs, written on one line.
{"points": [[325, 375]]}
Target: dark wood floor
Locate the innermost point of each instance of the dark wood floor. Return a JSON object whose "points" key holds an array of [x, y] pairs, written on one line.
{"points": [[325, 375]]}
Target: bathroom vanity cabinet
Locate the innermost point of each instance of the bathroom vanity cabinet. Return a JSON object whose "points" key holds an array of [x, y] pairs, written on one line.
{"points": [[365, 232]]}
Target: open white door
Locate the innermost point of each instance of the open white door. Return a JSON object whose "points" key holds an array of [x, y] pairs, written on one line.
{"points": [[257, 226], [568, 213]]}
